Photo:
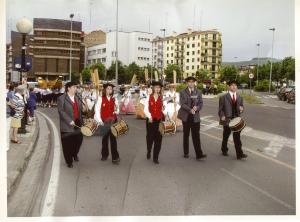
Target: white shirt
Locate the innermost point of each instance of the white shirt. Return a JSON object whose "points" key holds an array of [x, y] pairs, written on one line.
{"points": [[72, 98], [231, 95], [97, 115]]}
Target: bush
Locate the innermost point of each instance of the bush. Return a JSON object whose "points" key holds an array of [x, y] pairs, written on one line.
{"points": [[221, 87], [180, 87], [263, 86]]}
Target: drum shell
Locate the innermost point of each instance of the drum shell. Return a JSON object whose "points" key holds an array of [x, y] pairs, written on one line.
{"points": [[119, 128], [238, 127]]}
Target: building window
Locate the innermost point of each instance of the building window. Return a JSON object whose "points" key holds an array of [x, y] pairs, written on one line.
{"points": [[171, 61], [197, 67], [188, 45], [187, 60], [198, 44], [167, 55], [171, 54], [187, 67], [192, 67], [193, 59], [194, 38], [193, 52], [199, 52], [187, 53], [198, 59]]}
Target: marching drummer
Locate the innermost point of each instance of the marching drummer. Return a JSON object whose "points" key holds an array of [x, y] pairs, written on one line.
{"points": [[154, 113], [231, 106], [106, 111], [190, 105], [70, 110]]}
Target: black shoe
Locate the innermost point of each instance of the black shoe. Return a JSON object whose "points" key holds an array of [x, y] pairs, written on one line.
{"points": [[186, 156], [76, 159], [70, 165], [201, 157], [148, 155], [103, 158], [117, 161], [225, 154], [243, 156], [155, 161]]}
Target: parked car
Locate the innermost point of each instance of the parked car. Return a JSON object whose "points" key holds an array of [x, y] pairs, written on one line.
{"points": [[282, 94], [290, 98]]}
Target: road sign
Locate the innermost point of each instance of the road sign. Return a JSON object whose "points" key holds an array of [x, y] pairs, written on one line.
{"points": [[251, 76]]}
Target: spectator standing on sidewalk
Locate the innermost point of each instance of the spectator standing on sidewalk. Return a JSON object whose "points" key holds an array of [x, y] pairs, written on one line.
{"points": [[17, 113], [31, 104], [9, 96]]}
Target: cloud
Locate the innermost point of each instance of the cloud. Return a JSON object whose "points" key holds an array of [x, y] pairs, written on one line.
{"points": [[243, 23]]}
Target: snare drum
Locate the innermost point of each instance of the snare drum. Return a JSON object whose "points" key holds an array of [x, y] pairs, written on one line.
{"points": [[237, 124], [167, 127], [119, 128], [89, 127]]}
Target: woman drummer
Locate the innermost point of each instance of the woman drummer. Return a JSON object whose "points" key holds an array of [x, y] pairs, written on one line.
{"points": [[154, 113], [106, 111]]}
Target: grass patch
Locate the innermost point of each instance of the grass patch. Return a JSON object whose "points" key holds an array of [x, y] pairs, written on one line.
{"points": [[250, 98]]}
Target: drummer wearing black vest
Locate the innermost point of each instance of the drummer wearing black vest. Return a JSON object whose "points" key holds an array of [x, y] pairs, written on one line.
{"points": [[70, 115], [231, 106], [106, 111], [154, 112]]}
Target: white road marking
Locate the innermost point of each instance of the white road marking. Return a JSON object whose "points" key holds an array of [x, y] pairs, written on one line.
{"points": [[50, 198], [256, 153], [259, 189], [276, 142]]}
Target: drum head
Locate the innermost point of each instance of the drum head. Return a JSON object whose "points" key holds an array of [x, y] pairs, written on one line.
{"points": [[114, 131], [86, 131], [235, 121]]}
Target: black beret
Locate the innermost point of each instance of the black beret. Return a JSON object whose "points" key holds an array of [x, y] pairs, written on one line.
{"points": [[108, 84], [156, 83], [190, 78]]}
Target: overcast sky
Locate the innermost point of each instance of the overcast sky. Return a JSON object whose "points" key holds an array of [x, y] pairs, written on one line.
{"points": [[243, 23]]}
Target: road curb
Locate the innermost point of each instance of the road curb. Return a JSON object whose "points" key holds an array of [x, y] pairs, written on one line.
{"points": [[13, 178]]}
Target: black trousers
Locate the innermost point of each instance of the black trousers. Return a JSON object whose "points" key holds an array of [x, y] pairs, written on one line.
{"points": [[236, 140], [188, 126], [71, 143], [153, 136], [113, 146]]}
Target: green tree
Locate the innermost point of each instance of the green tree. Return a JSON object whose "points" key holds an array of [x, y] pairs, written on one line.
{"points": [[132, 69], [122, 78], [86, 75], [228, 73], [101, 69], [288, 68], [202, 75], [169, 72]]}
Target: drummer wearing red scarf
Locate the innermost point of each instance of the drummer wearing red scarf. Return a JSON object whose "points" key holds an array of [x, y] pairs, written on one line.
{"points": [[70, 114], [155, 114], [106, 111]]}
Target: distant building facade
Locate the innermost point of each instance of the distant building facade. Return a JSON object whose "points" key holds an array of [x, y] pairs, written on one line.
{"points": [[132, 47], [51, 48]]}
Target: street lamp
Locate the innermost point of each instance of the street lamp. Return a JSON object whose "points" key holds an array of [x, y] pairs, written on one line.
{"points": [[235, 58], [71, 17], [162, 66], [273, 30], [117, 30], [24, 26], [257, 63]]}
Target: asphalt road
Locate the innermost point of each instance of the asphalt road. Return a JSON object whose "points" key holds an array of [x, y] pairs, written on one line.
{"points": [[264, 184]]}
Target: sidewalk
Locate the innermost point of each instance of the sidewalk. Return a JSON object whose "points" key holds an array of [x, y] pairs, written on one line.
{"points": [[18, 155]]}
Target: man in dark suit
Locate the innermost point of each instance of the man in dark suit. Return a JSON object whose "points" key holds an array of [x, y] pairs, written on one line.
{"points": [[191, 103], [231, 106], [70, 107]]}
